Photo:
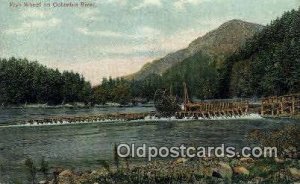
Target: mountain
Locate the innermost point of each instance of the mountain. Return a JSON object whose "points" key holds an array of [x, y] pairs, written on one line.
{"points": [[218, 43]]}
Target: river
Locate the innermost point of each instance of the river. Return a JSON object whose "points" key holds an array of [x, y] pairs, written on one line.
{"points": [[80, 146]]}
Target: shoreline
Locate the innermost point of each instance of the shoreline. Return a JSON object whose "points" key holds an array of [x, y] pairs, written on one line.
{"points": [[72, 106], [203, 170]]}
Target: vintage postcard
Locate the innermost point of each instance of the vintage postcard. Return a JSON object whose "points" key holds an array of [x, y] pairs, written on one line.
{"points": [[149, 91]]}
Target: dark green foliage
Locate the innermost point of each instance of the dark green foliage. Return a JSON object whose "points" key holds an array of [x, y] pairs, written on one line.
{"points": [[31, 169], [146, 88], [269, 64], [123, 91], [105, 165], [24, 82], [198, 73], [165, 104], [112, 90], [116, 157], [283, 138], [44, 168]]}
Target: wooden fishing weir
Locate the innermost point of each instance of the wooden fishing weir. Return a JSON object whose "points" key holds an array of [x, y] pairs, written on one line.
{"points": [[214, 109], [279, 106], [287, 105], [209, 109]]}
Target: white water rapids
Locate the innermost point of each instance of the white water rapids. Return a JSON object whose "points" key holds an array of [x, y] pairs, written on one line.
{"points": [[146, 119]]}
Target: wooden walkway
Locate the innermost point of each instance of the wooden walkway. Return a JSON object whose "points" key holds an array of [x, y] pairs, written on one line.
{"points": [[213, 109], [287, 105]]}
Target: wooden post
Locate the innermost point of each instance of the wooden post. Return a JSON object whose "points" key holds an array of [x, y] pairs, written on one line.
{"points": [[262, 107], [281, 105], [293, 105]]}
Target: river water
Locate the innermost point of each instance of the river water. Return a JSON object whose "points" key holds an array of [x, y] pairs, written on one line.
{"points": [[81, 146]]}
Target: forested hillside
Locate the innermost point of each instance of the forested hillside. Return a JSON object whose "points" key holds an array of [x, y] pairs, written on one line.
{"points": [[269, 64], [23, 82], [198, 72]]}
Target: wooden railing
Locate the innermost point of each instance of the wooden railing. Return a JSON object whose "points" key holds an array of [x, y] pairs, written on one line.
{"points": [[287, 105]]}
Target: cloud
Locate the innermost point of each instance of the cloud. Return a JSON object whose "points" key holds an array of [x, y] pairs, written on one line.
{"points": [[34, 25], [181, 4], [35, 13], [128, 58], [86, 31], [33, 20], [118, 2], [143, 32], [147, 3], [90, 15], [151, 41], [114, 2], [154, 43], [146, 32]]}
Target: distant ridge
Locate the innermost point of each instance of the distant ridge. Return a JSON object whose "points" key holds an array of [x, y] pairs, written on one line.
{"points": [[219, 43]]}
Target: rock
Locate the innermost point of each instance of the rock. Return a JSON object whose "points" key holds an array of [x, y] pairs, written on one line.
{"points": [[216, 174], [43, 182], [278, 160], [180, 161], [296, 155], [292, 149], [223, 170], [66, 173], [291, 152], [66, 177], [295, 173], [258, 179], [247, 160], [206, 171], [206, 158], [241, 170]]}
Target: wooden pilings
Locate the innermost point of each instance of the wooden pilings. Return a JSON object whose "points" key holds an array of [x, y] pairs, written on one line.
{"points": [[214, 108], [287, 105]]}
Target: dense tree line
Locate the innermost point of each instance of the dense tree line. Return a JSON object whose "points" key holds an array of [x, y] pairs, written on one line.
{"points": [[124, 91], [24, 82], [112, 90], [269, 64]]}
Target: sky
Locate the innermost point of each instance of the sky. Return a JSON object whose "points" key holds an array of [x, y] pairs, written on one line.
{"points": [[117, 37]]}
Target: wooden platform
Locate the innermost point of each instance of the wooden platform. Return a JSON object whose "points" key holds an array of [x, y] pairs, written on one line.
{"points": [[214, 109], [287, 105]]}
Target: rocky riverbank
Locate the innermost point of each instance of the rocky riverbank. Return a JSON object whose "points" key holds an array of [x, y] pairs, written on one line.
{"points": [[206, 170], [282, 169]]}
